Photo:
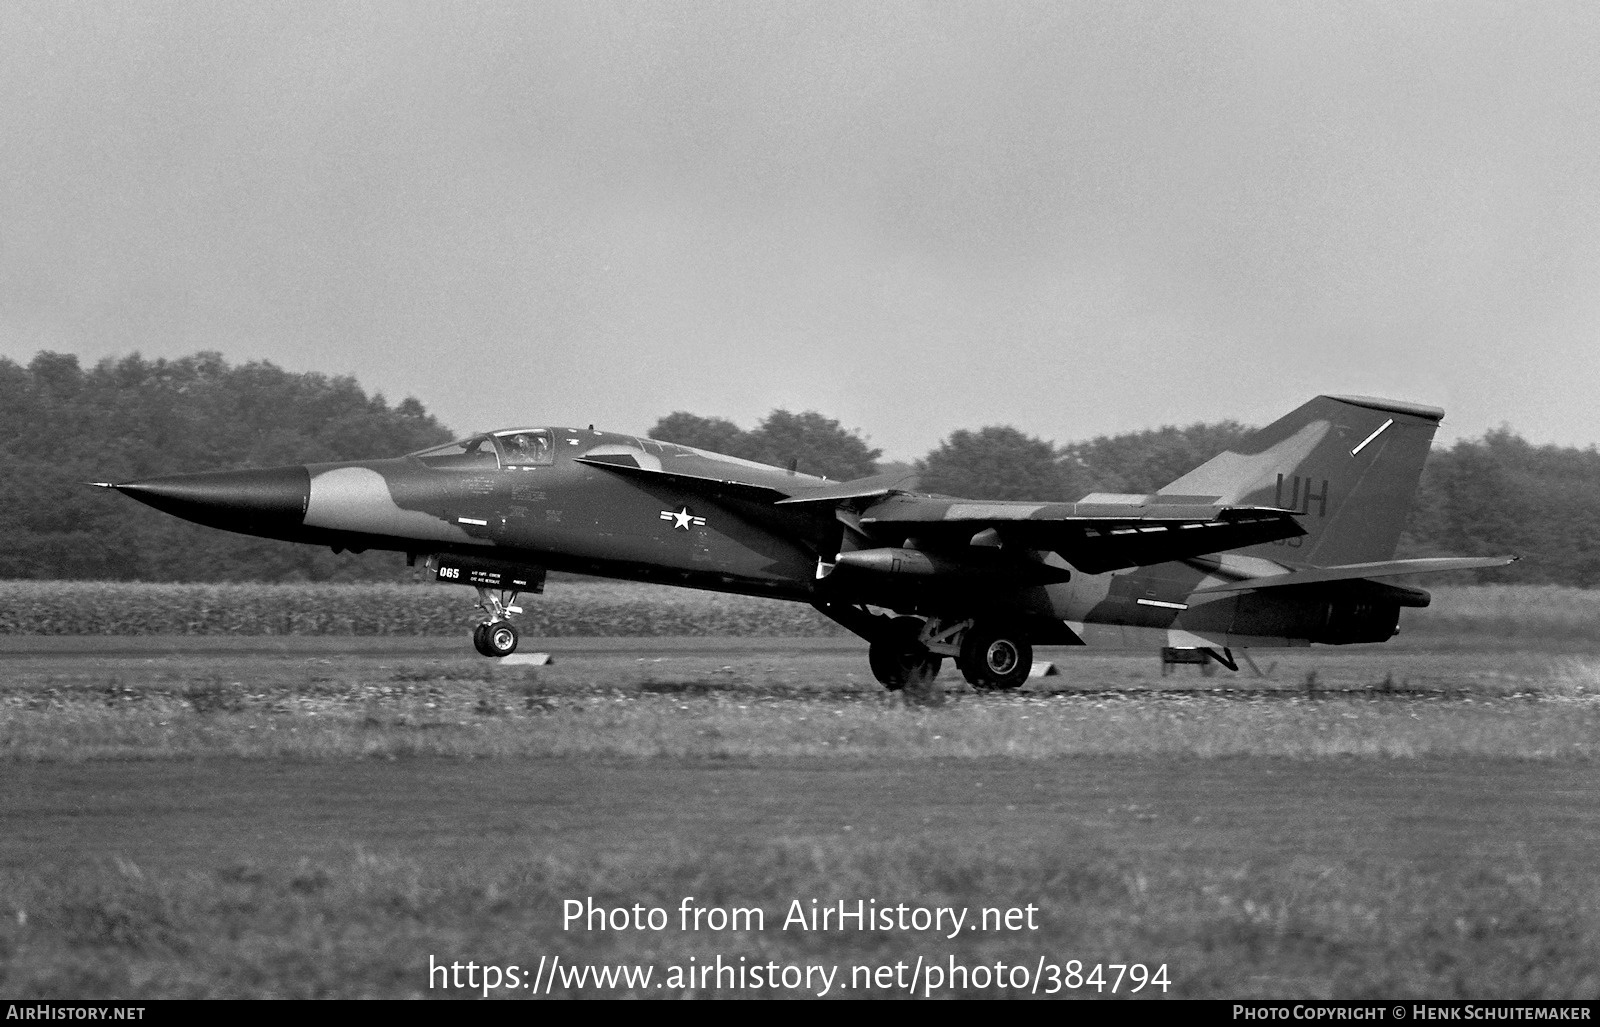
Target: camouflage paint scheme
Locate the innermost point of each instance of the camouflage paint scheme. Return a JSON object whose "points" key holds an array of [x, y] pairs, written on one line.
{"points": [[1282, 542]]}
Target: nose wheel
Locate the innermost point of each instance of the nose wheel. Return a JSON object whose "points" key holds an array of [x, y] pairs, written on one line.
{"points": [[496, 636]]}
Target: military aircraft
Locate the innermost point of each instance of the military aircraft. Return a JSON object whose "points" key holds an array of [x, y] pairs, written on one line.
{"points": [[1286, 540]]}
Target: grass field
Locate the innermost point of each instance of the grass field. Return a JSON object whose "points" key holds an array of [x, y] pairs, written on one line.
{"points": [[1377, 702], [187, 818], [1445, 877]]}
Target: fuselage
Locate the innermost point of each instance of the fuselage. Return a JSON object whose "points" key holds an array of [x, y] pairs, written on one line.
{"points": [[556, 498]]}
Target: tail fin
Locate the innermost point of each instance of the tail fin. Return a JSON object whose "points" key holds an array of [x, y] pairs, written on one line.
{"points": [[1348, 464]]}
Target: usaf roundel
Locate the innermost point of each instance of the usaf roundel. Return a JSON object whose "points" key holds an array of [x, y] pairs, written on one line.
{"points": [[682, 518]]}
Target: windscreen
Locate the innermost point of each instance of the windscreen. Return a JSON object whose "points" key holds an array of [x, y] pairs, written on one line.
{"points": [[527, 447], [476, 453]]}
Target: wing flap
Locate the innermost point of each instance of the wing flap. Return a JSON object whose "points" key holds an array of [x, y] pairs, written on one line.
{"points": [[923, 510], [1098, 550]]}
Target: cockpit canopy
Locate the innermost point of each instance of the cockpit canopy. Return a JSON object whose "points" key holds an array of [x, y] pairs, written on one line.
{"points": [[514, 447]]}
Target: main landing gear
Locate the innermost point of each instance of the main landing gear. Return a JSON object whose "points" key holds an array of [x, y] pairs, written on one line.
{"points": [[907, 652], [496, 636], [993, 659], [899, 658]]}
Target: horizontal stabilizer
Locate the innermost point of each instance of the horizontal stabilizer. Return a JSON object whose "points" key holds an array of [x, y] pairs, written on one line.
{"points": [[1354, 571]]}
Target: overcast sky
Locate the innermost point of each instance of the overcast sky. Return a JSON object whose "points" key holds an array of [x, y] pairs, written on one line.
{"points": [[1076, 218]]}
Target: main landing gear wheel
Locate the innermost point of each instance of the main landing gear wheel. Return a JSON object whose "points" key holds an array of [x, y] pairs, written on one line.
{"points": [[991, 659], [495, 638], [899, 659]]}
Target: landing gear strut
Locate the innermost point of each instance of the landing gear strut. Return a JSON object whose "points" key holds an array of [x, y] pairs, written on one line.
{"points": [[495, 636], [991, 655]]}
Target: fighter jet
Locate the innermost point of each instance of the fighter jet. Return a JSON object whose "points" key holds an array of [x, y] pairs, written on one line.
{"points": [[1287, 540]]}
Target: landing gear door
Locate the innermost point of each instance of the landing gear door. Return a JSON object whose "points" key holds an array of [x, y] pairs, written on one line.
{"points": [[475, 570]]}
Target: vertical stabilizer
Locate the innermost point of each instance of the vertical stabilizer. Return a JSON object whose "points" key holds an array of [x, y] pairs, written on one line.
{"points": [[1348, 465]]}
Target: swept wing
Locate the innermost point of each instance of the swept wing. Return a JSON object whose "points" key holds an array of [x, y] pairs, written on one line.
{"points": [[1305, 575], [1093, 537]]}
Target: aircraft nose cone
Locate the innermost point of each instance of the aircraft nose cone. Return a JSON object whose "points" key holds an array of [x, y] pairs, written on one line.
{"points": [[264, 502]]}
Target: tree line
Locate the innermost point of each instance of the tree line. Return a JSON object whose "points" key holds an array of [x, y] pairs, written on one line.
{"points": [[62, 424]]}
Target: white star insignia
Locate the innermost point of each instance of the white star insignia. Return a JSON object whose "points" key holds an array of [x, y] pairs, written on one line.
{"points": [[682, 518]]}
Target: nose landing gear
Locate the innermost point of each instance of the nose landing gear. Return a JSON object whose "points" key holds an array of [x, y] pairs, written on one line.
{"points": [[496, 636], [498, 582]]}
